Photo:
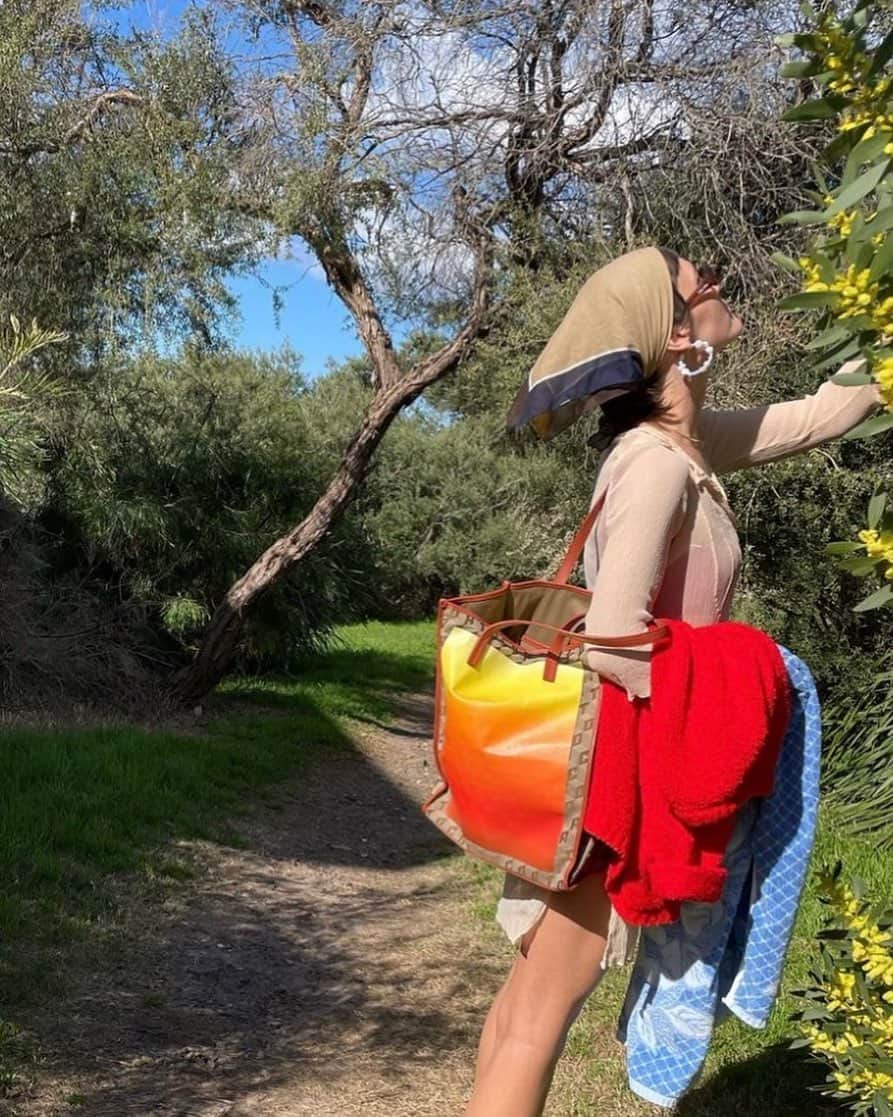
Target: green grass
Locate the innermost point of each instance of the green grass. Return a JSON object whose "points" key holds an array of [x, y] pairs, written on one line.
{"points": [[79, 805], [747, 1071]]}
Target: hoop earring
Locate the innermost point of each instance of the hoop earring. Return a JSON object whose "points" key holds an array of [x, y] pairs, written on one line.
{"points": [[705, 347]]}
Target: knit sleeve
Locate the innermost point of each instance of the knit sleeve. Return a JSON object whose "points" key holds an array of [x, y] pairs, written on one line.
{"points": [[643, 510], [755, 435]]}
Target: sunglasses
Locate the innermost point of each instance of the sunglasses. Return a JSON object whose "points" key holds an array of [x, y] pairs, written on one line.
{"points": [[709, 283]]}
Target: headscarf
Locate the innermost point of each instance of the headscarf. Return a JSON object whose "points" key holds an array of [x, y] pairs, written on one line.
{"points": [[610, 340]]}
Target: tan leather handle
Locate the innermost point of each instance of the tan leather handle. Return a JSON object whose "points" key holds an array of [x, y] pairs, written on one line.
{"points": [[565, 636], [555, 648], [579, 542]]}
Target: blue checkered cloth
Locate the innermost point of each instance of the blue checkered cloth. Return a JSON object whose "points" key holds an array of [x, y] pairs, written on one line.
{"points": [[727, 957]]}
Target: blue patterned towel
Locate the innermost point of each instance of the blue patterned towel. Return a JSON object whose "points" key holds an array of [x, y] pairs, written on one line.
{"points": [[727, 957]]}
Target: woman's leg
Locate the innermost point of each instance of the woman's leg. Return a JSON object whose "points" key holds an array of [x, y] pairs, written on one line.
{"points": [[527, 1026]]}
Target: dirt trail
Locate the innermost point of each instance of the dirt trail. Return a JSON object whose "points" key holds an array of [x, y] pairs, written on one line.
{"points": [[316, 971]]}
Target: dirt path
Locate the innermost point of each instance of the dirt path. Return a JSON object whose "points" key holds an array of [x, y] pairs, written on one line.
{"points": [[320, 970]]}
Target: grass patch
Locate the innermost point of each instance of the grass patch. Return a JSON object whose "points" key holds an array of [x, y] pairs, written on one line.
{"points": [[78, 805], [747, 1071], [367, 668]]}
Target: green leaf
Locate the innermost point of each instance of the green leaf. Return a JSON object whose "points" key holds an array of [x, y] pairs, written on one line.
{"points": [[856, 191], [827, 267], [876, 509], [829, 337], [845, 547], [785, 261], [819, 175], [806, 41], [871, 427], [859, 323], [809, 300], [882, 1107], [882, 221], [803, 68], [863, 255], [814, 1012], [865, 151], [876, 600], [858, 233], [841, 146], [819, 109], [858, 566], [882, 263], [841, 354], [802, 217], [851, 379]]}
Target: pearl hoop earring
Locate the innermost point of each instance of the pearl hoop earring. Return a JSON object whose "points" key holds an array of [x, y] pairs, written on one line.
{"points": [[706, 348]]}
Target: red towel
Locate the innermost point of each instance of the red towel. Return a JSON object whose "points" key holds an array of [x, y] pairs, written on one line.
{"points": [[671, 772]]}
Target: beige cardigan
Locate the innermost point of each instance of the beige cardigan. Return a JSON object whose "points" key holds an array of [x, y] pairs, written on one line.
{"points": [[666, 540]]}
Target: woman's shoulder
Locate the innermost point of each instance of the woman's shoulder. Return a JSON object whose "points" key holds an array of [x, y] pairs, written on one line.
{"points": [[642, 449], [642, 471]]}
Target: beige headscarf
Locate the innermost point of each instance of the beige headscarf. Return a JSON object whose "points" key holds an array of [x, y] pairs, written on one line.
{"points": [[610, 340]]}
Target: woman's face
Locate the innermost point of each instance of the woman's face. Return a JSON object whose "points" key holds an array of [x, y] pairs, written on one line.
{"points": [[711, 318]]}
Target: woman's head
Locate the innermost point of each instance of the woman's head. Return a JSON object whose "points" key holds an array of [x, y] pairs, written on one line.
{"points": [[619, 342], [699, 314], [699, 310]]}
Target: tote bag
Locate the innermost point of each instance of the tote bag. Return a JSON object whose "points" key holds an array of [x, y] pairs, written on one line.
{"points": [[516, 712]]}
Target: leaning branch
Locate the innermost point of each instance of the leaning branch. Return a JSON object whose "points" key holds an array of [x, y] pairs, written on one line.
{"points": [[97, 108]]}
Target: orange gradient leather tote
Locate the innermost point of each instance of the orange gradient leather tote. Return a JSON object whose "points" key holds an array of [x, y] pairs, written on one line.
{"points": [[514, 723]]}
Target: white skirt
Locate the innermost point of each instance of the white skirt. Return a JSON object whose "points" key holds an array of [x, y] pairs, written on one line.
{"points": [[522, 905]]}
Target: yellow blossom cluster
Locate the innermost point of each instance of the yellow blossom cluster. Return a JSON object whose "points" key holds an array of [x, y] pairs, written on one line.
{"points": [[864, 1082], [820, 1040], [840, 56], [875, 121], [871, 945], [883, 374], [843, 222], [849, 68], [857, 292], [879, 546], [872, 952], [866, 1010]]}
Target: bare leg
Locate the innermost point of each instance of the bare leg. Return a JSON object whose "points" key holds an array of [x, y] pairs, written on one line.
{"points": [[527, 1026], [494, 1025]]}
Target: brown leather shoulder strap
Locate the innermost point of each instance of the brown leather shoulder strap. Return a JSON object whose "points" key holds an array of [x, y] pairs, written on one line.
{"points": [[579, 542]]}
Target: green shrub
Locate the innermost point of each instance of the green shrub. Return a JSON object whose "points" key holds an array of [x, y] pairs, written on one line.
{"points": [[848, 1018]]}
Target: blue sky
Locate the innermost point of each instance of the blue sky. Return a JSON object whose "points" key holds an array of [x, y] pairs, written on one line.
{"points": [[312, 320]]}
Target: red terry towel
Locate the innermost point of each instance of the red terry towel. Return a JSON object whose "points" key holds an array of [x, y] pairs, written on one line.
{"points": [[671, 772]]}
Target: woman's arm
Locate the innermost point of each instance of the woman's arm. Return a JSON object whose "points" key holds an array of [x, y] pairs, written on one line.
{"points": [[754, 435], [643, 510]]}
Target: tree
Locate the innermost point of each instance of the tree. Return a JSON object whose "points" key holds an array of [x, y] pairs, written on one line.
{"points": [[420, 150], [114, 155]]}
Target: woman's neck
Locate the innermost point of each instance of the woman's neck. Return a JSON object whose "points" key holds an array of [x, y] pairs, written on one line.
{"points": [[683, 400]]}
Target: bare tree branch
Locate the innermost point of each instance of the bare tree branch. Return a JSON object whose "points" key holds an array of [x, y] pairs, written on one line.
{"points": [[99, 106]]}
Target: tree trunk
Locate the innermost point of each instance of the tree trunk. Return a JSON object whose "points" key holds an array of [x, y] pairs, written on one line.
{"points": [[222, 635], [216, 651]]}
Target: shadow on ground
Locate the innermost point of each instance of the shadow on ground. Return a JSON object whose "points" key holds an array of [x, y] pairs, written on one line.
{"points": [[322, 966], [773, 1083]]}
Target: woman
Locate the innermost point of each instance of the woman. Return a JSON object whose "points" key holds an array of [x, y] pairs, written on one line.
{"points": [[638, 340]]}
